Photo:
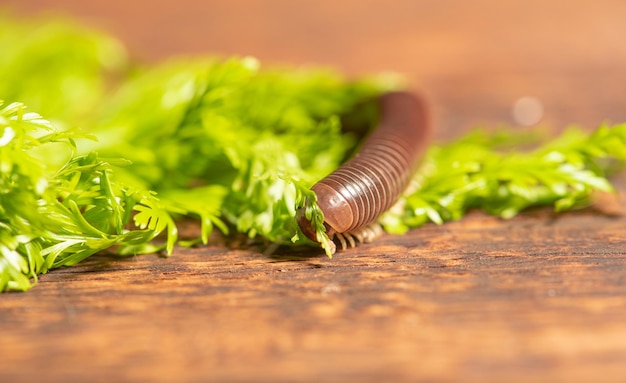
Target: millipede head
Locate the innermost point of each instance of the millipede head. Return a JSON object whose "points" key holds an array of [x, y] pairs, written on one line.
{"points": [[338, 213], [305, 225]]}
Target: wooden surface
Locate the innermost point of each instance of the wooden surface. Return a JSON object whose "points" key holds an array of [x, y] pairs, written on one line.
{"points": [[537, 298]]}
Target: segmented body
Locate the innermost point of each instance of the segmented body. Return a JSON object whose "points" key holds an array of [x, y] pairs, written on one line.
{"points": [[360, 190]]}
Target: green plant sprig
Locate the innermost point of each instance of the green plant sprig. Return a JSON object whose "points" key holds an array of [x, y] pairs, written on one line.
{"points": [[58, 217], [475, 172]]}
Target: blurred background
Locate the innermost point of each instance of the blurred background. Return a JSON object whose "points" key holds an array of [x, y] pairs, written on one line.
{"points": [[481, 62]]}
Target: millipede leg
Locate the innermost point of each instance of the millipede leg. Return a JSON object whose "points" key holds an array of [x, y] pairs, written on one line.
{"points": [[350, 239], [365, 234], [342, 241], [368, 233]]}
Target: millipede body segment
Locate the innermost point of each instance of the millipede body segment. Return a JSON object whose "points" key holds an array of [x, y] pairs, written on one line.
{"points": [[367, 185]]}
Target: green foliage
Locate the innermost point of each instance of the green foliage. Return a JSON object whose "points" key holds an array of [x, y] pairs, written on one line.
{"points": [[219, 140], [58, 217], [57, 67], [223, 141], [256, 137], [485, 172]]}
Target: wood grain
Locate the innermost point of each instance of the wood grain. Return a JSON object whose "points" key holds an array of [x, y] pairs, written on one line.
{"points": [[541, 297]]}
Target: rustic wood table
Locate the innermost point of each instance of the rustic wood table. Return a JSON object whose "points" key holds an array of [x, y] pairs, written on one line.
{"points": [[541, 297]]}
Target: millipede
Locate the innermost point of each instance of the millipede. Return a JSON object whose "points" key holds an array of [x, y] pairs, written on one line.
{"points": [[360, 190]]}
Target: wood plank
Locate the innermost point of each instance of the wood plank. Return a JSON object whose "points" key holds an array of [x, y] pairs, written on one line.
{"points": [[479, 299]]}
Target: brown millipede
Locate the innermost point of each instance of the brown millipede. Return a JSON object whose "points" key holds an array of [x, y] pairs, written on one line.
{"points": [[359, 191]]}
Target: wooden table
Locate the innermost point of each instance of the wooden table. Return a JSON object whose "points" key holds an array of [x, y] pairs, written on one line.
{"points": [[541, 297]]}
